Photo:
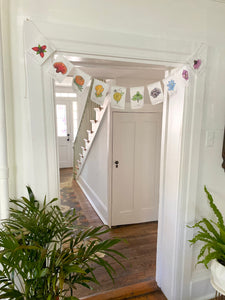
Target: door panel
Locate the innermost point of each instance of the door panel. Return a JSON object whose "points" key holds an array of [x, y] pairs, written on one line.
{"points": [[64, 130], [125, 170], [136, 145]]}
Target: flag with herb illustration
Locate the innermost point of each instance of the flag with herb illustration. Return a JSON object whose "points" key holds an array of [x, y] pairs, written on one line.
{"points": [[118, 97], [137, 97], [39, 48], [60, 68], [99, 91], [80, 81], [155, 93]]}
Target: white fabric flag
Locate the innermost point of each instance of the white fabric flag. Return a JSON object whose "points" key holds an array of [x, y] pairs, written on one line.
{"points": [[196, 61], [118, 97], [99, 91], [171, 84], [137, 97], [155, 93], [60, 68], [184, 74], [80, 81], [36, 45]]}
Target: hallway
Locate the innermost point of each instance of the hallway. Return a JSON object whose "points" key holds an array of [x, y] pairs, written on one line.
{"points": [[139, 248]]}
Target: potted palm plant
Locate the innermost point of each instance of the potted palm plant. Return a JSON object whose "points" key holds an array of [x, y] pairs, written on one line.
{"points": [[212, 236], [45, 255]]}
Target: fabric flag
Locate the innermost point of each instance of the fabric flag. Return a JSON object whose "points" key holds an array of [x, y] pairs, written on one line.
{"points": [[80, 81], [36, 45], [118, 97], [185, 73], [155, 93], [171, 84], [99, 91], [60, 68], [197, 61], [137, 97]]}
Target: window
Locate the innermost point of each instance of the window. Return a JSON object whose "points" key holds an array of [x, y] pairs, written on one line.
{"points": [[74, 119], [61, 120]]}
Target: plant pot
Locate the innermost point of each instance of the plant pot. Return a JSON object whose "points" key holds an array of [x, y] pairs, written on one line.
{"points": [[218, 276]]}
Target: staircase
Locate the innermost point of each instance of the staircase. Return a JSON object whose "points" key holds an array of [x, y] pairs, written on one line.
{"points": [[87, 131]]}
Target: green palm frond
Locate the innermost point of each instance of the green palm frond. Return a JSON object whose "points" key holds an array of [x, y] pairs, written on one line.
{"points": [[48, 253]]}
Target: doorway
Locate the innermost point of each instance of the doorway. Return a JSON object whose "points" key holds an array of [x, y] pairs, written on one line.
{"points": [[147, 122], [93, 43]]}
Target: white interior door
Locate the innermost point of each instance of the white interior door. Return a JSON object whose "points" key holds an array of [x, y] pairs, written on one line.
{"points": [[136, 156], [64, 117]]}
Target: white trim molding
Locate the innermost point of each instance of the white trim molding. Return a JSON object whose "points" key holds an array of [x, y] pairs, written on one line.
{"points": [[4, 193], [93, 198]]}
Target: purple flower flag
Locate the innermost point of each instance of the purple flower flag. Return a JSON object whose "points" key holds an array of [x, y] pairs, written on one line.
{"points": [[155, 93], [197, 63], [185, 74]]}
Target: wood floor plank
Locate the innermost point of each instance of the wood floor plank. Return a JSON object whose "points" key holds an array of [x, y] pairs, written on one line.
{"points": [[140, 247]]}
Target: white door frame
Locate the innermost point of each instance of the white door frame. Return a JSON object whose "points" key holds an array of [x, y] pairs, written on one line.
{"points": [[93, 43], [4, 170]]}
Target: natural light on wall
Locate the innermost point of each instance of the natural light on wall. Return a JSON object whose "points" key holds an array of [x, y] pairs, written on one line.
{"points": [[66, 95], [61, 120]]}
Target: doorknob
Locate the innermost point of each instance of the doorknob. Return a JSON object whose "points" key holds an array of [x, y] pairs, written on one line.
{"points": [[117, 163]]}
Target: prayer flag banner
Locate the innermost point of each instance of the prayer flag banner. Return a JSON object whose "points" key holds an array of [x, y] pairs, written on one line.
{"points": [[196, 63], [171, 84], [99, 91], [185, 73], [35, 43], [118, 97], [137, 97], [60, 68], [80, 81], [155, 93]]}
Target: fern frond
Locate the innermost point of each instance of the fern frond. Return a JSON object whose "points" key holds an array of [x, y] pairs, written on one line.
{"points": [[214, 208]]}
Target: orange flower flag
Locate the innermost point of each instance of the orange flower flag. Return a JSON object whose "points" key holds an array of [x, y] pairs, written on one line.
{"points": [[99, 91], [80, 81]]}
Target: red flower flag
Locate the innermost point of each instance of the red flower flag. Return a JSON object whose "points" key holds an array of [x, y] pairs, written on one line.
{"points": [[36, 45], [60, 68], [40, 50]]}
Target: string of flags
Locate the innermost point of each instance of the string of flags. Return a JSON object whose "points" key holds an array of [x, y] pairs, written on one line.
{"points": [[40, 49]]}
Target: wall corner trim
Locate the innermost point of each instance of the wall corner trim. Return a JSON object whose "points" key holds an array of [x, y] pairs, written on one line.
{"points": [[94, 200]]}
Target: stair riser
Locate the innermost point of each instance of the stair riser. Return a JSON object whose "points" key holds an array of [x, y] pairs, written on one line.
{"points": [[91, 135]]}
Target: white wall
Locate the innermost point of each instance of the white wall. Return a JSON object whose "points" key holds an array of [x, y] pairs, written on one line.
{"points": [[94, 175], [194, 20]]}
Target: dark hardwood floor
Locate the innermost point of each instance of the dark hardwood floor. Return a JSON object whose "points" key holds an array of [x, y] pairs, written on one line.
{"points": [[140, 248]]}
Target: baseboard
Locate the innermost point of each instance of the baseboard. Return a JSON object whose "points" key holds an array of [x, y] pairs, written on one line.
{"points": [[201, 288], [126, 292], [94, 200]]}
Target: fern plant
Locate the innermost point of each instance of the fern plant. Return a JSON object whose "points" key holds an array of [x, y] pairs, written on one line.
{"points": [[212, 236], [45, 255]]}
